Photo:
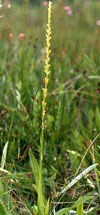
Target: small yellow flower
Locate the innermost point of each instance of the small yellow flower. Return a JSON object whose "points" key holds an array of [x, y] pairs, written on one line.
{"points": [[47, 64]]}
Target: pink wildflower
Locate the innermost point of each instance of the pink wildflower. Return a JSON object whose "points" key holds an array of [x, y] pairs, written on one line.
{"points": [[10, 36], [68, 9], [21, 36], [69, 12], [8, 4], [44, 3]]}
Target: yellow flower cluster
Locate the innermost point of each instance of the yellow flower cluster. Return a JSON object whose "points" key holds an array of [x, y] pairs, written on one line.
{"points": [[47, 64]]}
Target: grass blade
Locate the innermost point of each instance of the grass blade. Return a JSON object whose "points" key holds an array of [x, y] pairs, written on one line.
{"points": [[79, 210], [77, 178], [34, 167], [47, 207], [80, 201], [4, 155], [73, 182], [3, 210]]}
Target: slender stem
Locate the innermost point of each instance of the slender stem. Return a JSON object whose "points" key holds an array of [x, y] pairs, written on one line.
{"points": [[95, 172], [44, 103]]}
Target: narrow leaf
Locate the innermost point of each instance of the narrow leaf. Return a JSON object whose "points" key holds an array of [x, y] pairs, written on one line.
{"points": [[35, 167], [94, 77], [1, 188], [79, 210], [81, 200], [63, 211], [76, 179], [4, 155], [41, 198], [47, 207]]}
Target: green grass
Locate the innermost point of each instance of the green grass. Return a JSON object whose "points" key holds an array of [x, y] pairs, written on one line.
{"points": [[72, 136]]}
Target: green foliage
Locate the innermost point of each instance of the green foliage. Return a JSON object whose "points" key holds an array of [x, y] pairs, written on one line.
{"points": [[3, 210], [80, 209], [72, 130], [77, 204], [35, 168], [38, 187], [97, 116]]}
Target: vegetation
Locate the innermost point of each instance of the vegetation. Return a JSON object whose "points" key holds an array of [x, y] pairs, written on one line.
{"points": [[57, 174]]}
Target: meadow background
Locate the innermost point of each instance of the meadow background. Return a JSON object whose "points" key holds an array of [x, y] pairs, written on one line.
{"points": [[72, 133]]}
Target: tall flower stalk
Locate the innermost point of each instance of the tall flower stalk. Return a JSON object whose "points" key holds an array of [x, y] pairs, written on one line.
{"points": [[47, 73], [44, 104]]}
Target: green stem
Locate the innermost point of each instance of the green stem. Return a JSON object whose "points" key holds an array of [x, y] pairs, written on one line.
{"points": [[95, 172], [40, 186]]}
